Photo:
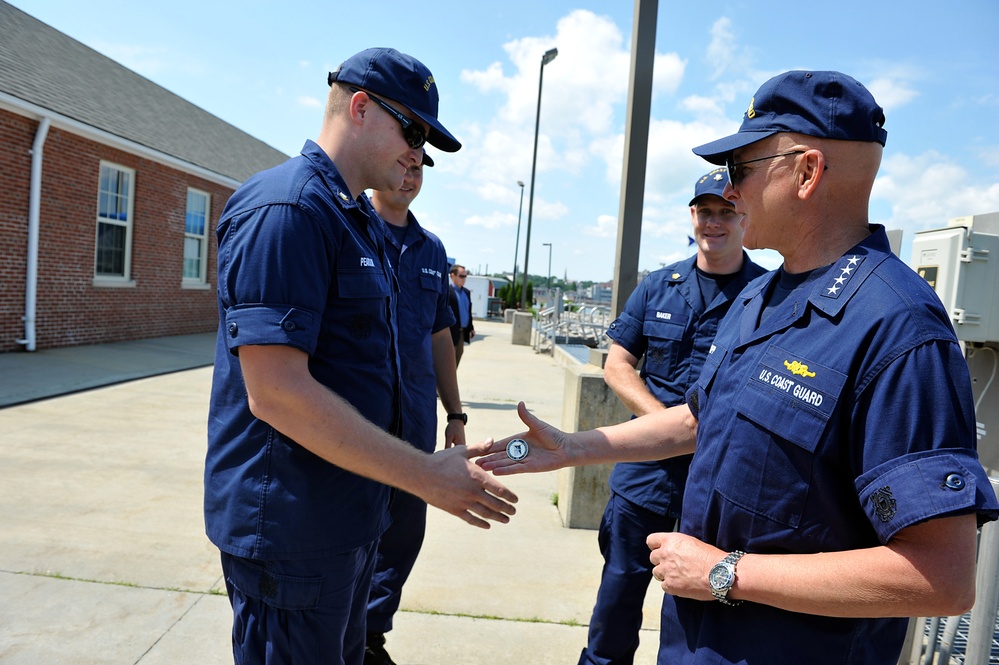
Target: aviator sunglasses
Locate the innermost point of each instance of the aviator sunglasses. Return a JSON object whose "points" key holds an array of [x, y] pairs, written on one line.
{"points": [[411, 131], [736, 174]]}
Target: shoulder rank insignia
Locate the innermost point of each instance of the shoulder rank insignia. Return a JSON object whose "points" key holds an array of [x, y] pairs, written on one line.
{"points": [[845, 273]]}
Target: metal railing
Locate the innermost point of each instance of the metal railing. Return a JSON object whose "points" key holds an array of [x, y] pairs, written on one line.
{"points": [[969, 639], [556, 324]]}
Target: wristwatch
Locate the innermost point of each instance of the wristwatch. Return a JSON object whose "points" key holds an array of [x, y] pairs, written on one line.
{"points": [[722, 577], [463, 417]]}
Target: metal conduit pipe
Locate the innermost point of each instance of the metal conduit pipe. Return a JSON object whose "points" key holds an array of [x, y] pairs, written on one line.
{"points": [[982, 625], [34, 215]]}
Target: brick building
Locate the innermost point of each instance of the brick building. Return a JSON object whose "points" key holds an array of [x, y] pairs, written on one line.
{"points": [[110, 190]]}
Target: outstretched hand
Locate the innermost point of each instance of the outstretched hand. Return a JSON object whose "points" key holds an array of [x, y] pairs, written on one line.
{"points": [[548, 448], [463, 489]]}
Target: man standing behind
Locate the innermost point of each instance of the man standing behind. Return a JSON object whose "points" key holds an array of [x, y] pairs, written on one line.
{"points": [[461, 304], [671, 320], [306, 378], [427, 360]]}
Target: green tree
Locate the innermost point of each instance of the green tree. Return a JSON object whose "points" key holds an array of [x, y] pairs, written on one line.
{"points": [[509, 294]]}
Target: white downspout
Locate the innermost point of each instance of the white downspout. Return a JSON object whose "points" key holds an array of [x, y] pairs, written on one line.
{"points": [[34, 207]]}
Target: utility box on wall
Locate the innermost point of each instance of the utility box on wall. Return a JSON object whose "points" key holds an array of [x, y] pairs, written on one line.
{"points": [[961, 263]]}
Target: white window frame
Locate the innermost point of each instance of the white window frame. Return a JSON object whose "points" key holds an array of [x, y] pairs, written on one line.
{"points": [[106, 279], [201, 280]]}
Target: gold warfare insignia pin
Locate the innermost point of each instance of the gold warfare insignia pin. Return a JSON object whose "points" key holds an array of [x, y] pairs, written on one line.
{"points": [[799, 369]]}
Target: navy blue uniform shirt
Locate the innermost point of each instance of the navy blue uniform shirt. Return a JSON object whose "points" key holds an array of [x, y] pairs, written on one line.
{"points": [[667, 321], [420, 264], [842, 419], [301, 264]]}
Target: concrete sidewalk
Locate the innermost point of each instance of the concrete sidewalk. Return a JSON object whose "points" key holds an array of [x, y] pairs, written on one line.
{"points": [[103, 557], [26, 377]]}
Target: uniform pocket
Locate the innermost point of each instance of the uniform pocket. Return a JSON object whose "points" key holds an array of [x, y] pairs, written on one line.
{"points": [[783, 413], [280, 591], [354, 283], [431, 283], [664, 336]]}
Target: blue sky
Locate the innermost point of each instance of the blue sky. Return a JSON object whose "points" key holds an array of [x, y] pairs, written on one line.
{"points": [[262, 66]]}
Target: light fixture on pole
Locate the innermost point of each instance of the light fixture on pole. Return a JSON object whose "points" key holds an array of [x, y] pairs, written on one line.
{"points": [[516, 247], [545, 59], [549, 246]]}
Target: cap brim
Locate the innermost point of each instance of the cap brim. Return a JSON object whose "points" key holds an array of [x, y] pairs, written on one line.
{"points": [[427, 159], [716, 151], [439, 137], [701, 196]]}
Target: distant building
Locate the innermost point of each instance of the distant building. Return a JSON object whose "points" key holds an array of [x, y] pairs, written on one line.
{"points": [[110, 190], [485, 303], [599, 294]]}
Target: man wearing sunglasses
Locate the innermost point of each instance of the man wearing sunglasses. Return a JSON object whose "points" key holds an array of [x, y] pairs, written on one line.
{"points": [[669, 322], [463, 329], [304, 412], [835, 489], [428, 369]]}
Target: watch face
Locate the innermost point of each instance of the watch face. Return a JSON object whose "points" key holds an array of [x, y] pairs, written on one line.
{"points": [[720, 576]]}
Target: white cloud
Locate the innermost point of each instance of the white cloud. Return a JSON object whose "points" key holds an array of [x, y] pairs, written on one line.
{"points": [[701, 106], [606, 227], [927, 190], [721, 49], [892, 93], [309, 101], [584, 97], [492, 222]]}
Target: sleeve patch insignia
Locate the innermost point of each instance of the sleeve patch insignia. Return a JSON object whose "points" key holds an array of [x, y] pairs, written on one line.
{"points": [[884, 503]]}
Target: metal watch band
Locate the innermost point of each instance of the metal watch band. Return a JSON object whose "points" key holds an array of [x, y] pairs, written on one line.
{"points": [[722, 594]]}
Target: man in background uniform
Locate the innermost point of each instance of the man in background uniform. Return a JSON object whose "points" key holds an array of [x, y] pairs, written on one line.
{"points": [[669, 320], [428, 370]]}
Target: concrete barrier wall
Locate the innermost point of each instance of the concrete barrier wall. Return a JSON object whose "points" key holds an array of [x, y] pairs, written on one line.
{"points": [[587, 403], [522, 324]]}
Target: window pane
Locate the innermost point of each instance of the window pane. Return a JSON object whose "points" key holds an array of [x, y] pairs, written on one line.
{"points": [[110, 249], [112, 200], [192, 258], [111, 252], [124, 182], [195, 221]]}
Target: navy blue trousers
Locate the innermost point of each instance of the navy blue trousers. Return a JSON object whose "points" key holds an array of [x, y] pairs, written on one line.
{"points": [[397, 551], [306, 611], [617, 615]]}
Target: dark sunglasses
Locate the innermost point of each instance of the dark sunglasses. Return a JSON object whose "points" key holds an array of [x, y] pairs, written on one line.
{"points": [[411, 131], [736, 174]]}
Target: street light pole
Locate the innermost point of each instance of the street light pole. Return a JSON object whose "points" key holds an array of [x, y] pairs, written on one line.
{"points": [[545, 59], [549, 246], [516, 247]]}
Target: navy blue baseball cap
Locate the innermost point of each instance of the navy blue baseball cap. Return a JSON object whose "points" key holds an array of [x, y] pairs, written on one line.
{"points": [[403, 78], [427, 159], [827, 105], [712, 182]]}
